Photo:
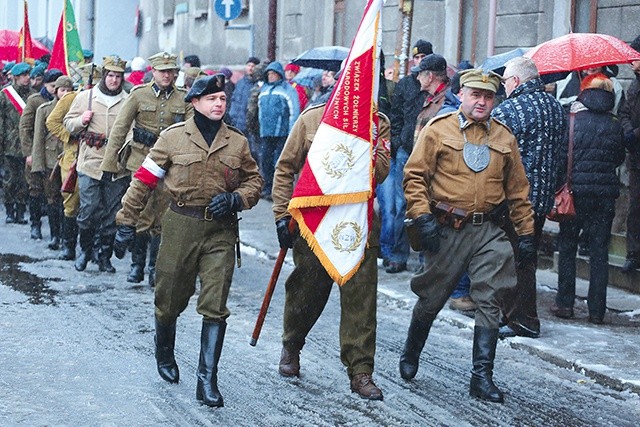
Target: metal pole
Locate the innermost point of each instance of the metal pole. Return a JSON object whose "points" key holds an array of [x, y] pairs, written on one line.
{"points": [[404, 39], [491, 39], [273, 28]]}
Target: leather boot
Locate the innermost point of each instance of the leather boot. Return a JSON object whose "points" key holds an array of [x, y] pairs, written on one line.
{"points": [[86, 246], [69, 238], [365, 387], [211, 341], [11, 213], [165, 340], [416, 337], [21, 208], [154, 247], [484, 353], [35, 217], [138, 258], [104, 256], [55, 213], [289, 362]]}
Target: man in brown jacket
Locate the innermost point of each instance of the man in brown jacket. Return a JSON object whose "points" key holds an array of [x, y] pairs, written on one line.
{"points": [[91, 118], [308, 287], [464, 167], [44, 159], [209, 175]]}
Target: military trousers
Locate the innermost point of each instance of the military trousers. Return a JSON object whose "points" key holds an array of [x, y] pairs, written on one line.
{"points": [[307, 291], [191, 248], [485, 253], [151, 216], [14, 183], [51, 188]]}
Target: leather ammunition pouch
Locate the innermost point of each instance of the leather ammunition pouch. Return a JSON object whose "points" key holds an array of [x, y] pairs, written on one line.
{"points": [[144, 136], [93, 140]]}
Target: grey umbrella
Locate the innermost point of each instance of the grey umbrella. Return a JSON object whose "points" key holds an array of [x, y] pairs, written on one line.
{"points": [[325, 57]]}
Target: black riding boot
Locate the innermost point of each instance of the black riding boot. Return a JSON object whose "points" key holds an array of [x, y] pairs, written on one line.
{"points": [[86, 246], [416, 337], [35, 217], [154, 247], [138, 258], [55, 214], [21, 208], [165, 340], [484, 352], [11, 213], [104, 256], [211, 341], [69, 238]]}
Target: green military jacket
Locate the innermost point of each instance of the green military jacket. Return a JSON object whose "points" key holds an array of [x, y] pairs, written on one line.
{"points": [[150, 109], [194, 172], [10, 123], [46, 146], [27, 122]]}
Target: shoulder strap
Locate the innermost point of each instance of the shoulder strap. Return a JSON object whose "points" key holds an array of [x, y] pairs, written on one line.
{"points": [[572, 117]]}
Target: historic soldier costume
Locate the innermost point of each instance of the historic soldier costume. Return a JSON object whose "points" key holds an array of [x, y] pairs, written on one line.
{"points": [[150, 108], [91, 118], [308, 287], [464, 169], [45, 152], [209, 175], [12, 103], [35, 181]]}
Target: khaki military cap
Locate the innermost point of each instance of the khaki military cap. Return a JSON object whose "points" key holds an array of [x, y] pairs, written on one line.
{"points": [[164, 61], [480, 79], [114, 63], [194, 72], [86, 69], [64, 81]]}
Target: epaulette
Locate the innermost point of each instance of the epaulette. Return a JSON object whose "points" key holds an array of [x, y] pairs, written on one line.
{"points": [[234, 129], [175, 125], [138, 87], [442, 116], [181, 89], [313, 107]]}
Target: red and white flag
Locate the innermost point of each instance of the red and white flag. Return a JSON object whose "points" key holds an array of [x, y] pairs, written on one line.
{"points": [[333, 199]]}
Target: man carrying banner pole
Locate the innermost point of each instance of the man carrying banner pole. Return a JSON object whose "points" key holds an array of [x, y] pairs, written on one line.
{"points": [[332, 204]]}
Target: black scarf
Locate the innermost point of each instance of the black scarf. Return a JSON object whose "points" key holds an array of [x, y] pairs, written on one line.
{"points": [[104, 89], [207, 127]]}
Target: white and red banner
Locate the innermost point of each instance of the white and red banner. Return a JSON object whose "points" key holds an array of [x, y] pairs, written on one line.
{"points": [[333, 199], [15, 98]]}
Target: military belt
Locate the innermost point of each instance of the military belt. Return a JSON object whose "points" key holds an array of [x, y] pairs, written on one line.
{"points": [[198, 212], [92, 139], [456, 218]]}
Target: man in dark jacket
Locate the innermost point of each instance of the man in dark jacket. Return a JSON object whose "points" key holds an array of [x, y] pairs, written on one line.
{"points": [[539, 124], [406, 103], [240, 99], [630, 118]]}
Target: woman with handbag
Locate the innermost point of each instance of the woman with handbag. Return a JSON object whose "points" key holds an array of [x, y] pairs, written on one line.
{"points": [[595, 149]]}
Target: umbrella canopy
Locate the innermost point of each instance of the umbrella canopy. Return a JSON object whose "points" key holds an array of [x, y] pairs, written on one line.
{"points": [[325, 57], [9, 46], [579, 51], [496, 63], [306, 76]]}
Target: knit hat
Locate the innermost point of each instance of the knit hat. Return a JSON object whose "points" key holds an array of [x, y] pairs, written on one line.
{"points": [[253, 60], [292, 67], [138, 64], [227, 72], [433, 62]]}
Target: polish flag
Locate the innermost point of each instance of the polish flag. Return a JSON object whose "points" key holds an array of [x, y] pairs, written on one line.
{"points": [[333, 199]]}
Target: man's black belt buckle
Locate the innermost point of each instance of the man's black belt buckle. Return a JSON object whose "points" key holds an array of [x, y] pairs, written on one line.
{"points": [[477, 218]]}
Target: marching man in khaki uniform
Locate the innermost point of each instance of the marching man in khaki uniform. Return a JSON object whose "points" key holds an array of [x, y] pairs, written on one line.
{"points": [[150, 109], [464, 169], [209, 175], [91, 117]]}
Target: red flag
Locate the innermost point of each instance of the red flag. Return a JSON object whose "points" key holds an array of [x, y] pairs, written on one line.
{"points": [[25, 45], [66, 52], [333, 199]]}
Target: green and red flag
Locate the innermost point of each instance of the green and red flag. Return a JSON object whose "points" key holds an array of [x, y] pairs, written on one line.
{"points": [[333, 199], [25, 45], [67, 51]]}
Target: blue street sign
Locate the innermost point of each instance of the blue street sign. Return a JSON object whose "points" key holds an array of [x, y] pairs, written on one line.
{"points": [[227, 9]]}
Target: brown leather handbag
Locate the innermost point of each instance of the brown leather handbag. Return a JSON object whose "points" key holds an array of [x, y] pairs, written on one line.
{"points": [[563, 207]]}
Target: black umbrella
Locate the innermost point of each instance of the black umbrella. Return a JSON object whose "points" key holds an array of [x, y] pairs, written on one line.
{"points": [[325, 57]]}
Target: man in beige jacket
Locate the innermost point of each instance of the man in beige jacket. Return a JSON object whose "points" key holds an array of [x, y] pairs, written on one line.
{"points": [[91, 118]]}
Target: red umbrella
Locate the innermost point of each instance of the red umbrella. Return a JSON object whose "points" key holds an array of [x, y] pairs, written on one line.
{"points": [[579, 51], [9, 46]]}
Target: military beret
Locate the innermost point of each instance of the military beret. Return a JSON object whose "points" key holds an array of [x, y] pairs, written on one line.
{"points": [[52, 75], [37, 72], [20, 68], [422, 47], [431, 62], [87, 53], [164, 61], [114, 63], [480, 79], [8, 66], [64, 81], [206, 86]]}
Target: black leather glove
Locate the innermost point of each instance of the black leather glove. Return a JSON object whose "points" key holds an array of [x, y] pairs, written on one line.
{"points": [[125, 237], [285, 238], [107, 177], [224, 204], [526, 250], [429, 232]]}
